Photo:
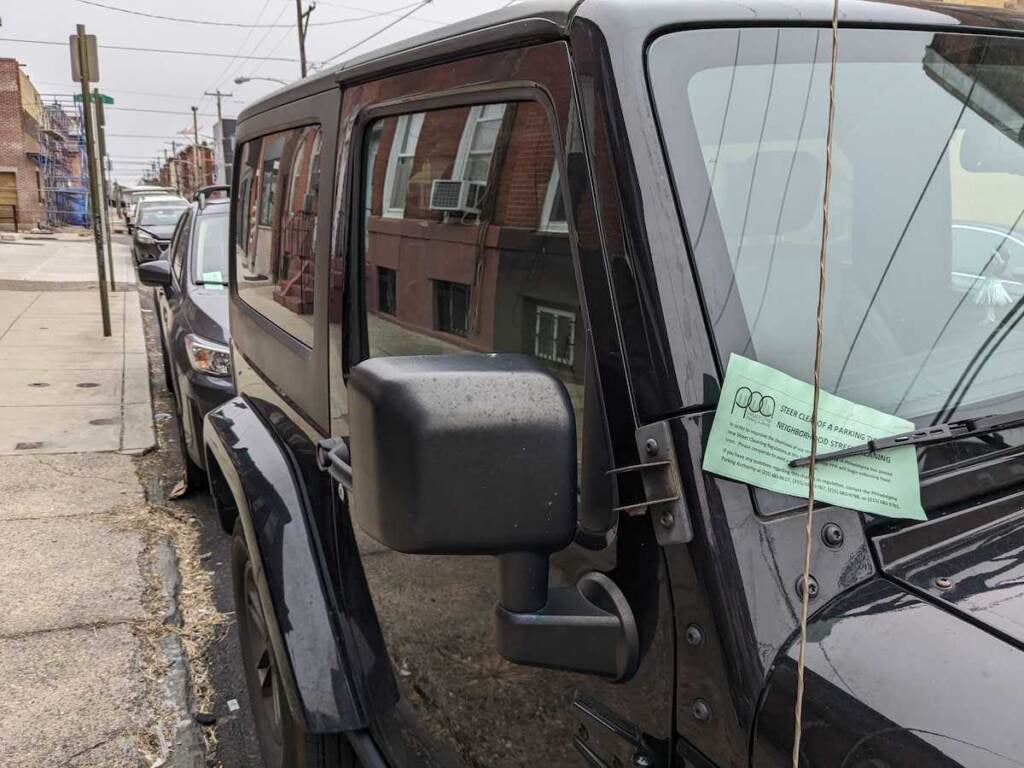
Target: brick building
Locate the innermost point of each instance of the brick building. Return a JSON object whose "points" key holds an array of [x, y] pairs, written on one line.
{"points": [[21, 117], [177, 171]]}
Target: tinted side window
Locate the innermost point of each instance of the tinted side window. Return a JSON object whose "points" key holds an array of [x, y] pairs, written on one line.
{"points": [[278, 193], [466, 240], [179, 246]]}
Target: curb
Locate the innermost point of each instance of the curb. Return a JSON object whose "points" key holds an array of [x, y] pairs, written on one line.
{"points": [[188, 748]]}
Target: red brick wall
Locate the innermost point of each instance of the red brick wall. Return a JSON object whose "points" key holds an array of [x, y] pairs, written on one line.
{"points": [[15, 142]]}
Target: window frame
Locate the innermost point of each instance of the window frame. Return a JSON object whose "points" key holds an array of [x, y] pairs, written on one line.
{"points": [[450, 287], [473, 119], [392, 281], [551, 196], [557, 314], [395, 154]]}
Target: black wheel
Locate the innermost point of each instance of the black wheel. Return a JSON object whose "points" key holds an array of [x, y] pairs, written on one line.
{"points": [[283, 743]]}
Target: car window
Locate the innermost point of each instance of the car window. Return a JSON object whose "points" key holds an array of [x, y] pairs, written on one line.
{"points": [[180, 246], [276, 226], [210, 254], [153, 215], [462, 245]]}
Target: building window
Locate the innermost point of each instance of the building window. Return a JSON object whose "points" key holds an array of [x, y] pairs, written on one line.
{"points": [[555, 335], [451, 302], [400, 161], [552, 217], [386, 290], [479, 137]]}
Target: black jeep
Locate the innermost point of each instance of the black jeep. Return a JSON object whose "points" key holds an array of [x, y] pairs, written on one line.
{"points": [[484, 287]]}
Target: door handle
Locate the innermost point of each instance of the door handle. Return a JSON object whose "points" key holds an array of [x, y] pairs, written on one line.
{"points": [[332, 457]]}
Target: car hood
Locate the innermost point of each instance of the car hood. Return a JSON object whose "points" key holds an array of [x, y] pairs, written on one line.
{"points": [[894, 679], [206, 313], [970, 562], [159, 231]]}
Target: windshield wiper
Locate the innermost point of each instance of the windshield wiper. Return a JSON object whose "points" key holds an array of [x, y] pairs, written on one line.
{"points": [[940, 433]]}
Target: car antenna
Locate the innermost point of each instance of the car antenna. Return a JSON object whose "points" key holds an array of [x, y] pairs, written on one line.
{"points": [[808, 534]]}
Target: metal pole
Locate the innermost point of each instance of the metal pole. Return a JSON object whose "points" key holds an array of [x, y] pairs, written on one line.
{"points": [[195, 150], [302, 37], [101, 130], [90, 149]]}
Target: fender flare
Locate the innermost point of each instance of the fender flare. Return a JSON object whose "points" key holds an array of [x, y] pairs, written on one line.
{"points": [[273, 510]]}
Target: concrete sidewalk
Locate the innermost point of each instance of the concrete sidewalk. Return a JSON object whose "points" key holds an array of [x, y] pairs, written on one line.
{"points": [[90, 670], [62, 262]]}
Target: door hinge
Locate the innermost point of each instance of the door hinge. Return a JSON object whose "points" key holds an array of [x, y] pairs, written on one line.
{"points": [[605, 740], [663, 489]]}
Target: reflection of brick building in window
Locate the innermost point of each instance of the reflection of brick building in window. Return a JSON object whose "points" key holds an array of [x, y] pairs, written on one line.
{"points": [[484, 276], [295, 268]]}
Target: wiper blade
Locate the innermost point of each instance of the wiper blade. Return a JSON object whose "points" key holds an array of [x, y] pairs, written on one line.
{"points": [[940, 433]]}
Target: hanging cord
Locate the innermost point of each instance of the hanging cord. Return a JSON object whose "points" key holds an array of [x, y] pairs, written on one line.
{"points": [[808, 531]]}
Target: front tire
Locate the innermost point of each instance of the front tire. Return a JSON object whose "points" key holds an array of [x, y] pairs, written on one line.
{"points": [[283, 742]]}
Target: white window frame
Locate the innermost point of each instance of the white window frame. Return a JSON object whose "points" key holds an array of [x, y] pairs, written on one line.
{"points": [[401, 127], [558, 314], [462, 155], [546, 224]]}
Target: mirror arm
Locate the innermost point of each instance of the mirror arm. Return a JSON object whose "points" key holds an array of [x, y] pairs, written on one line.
{"points": [[586, 628]]}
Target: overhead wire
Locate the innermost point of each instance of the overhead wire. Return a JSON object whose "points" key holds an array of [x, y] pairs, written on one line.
{"points": [[216, 82], [380, 31], [240, 25], [381, 13], [211, 54]]}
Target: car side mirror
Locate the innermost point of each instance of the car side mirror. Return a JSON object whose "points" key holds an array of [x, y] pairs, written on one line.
{"points": [[476, 455], [155, 273]]}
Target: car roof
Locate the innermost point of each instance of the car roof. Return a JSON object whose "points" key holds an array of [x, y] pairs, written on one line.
{"points": [[220, 203], [163, 199], [535, 21]]}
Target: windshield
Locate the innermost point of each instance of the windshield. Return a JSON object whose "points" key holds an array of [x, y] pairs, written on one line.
{"points": [[162, 216], [925, 277], [211, 254]]}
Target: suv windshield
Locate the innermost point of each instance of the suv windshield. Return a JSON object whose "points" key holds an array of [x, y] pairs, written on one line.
{"points": [[211, 249], [163, 215], [925, 276]]}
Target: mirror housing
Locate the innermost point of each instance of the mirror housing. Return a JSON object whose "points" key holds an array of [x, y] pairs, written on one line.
{"points": [[155, 273], [463, 455], [476, 455]]}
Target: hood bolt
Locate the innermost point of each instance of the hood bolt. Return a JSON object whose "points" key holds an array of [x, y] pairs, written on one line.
{"points": [[832, 536], [943, 582], [694, 636], [651, 447], [812, 587], [701, 710]]}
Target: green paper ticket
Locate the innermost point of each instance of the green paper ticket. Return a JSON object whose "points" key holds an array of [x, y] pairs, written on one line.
{"points": [[763, 421]]}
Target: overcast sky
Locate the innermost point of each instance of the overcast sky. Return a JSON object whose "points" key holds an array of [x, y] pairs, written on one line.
{"points": [[173, 82]]}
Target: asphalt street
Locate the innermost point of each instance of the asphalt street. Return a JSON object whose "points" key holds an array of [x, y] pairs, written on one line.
{"points": [[234, 744]]}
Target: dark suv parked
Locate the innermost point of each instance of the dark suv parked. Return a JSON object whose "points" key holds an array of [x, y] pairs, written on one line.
{"points": [[484, 287], [192, 309]]}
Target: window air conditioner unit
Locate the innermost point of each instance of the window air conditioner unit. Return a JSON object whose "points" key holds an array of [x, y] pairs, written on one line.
{"points": [[456, 195]]}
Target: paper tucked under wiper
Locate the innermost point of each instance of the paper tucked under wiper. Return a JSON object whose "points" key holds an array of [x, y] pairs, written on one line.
{"points": [[763, 422]]}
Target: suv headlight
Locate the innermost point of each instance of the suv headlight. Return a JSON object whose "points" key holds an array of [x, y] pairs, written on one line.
{"points": [[207, 356], [145, 237]]}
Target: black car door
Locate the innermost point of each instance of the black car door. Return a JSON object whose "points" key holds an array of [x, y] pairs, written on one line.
{"points": [[169, 298], [474, 231]]}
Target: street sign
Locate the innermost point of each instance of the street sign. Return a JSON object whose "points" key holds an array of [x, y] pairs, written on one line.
{"points": [[102, 97], [94, 61]]}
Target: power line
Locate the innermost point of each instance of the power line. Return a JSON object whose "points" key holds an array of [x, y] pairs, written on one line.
{"points": [[234, 58], [159, 111], [64, 44], [382, 13], [383, 29], [203, 22], [131, 93]]}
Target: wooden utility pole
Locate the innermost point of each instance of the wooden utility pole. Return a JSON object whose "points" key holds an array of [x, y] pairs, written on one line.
{"points": [[195, 150], [220, 121], [85, 68], [101, 131], [174, 166], [302, 17]]}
